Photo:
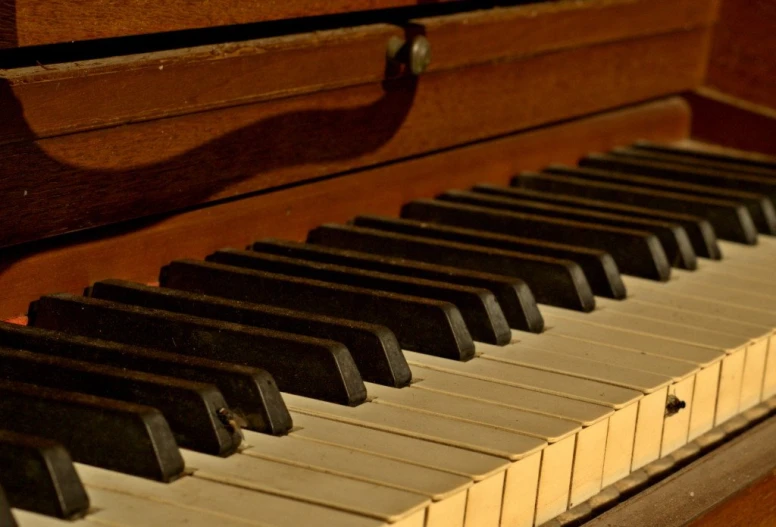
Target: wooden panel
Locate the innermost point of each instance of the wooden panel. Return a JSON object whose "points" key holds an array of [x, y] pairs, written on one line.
{"points": [[93, 178], [728, 121], [493, 34], [743, 52], [36, 22], [754, 506], [137, 252], [64, 98]]}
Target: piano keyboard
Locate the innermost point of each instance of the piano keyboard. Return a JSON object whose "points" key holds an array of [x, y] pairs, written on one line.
{"points": [[492, 358]]}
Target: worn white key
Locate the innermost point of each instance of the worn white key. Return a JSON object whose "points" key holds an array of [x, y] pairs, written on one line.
{"points": [[727, 388], [756, 337], [621, 426], [484, 498], [474, 437], [31, 519], [448, 491], [604, 353], [210, 497], [568, 413], [730, 304], [557, 458], [358, 497]]}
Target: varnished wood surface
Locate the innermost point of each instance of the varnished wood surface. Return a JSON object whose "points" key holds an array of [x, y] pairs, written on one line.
{"points": [[725, 120], [70, 97], [754, 506], [742, 62], [37, 22], [113, 174], [138, 251]]}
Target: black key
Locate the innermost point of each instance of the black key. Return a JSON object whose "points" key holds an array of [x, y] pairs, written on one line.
{"points": [[427, 326], [553, 281], [731, 220], [6, 517], [374, 348], [513, 295], [106, 433], [599, 266], [479, 308], [636, 252], [672, 236], [696, 162], [675, 178], [191, 408], [699, 230], [250, 393], [316, 368], [759, 164], [38, 476]]}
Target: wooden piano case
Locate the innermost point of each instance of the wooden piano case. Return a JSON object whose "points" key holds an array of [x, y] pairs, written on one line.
{"points": [[110, 166]]}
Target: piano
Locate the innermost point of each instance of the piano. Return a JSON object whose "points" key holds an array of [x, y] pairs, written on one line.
{"points": [[387, 263]]}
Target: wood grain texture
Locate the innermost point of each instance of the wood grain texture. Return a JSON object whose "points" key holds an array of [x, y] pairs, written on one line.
{"points": [[728, 121], [37, 22], [70, 97], [138, 251], [743, 53], [93, 178]]}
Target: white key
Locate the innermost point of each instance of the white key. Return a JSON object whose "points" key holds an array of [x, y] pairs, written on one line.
{"points": [[358, 497], [494, 484], [448, 491], [30, 519], [620, 431], [477, 438], [210, 497], [726, 389]]}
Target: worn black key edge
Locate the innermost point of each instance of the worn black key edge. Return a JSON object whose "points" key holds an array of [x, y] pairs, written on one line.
{"points": [[306, 366], [427, 326], [375, 349], [672, 236], [636, 252], [251, 393], [731, 220], [479, 308], [514, 296], [554, 281], [599, 267], [699, 230], [106, 433], [38, 476], [190, 408]]}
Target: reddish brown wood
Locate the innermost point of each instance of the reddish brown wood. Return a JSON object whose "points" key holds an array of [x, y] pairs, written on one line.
{"points": [[138, 251], [755, 506], [541, 27], [93, 178], [743, 52], [36, 22], [65, 98], [728, 121]]}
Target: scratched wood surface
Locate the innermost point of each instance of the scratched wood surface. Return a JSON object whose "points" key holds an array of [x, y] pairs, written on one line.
{"points": [[137, 251], [112, 174], [37, 22]]}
